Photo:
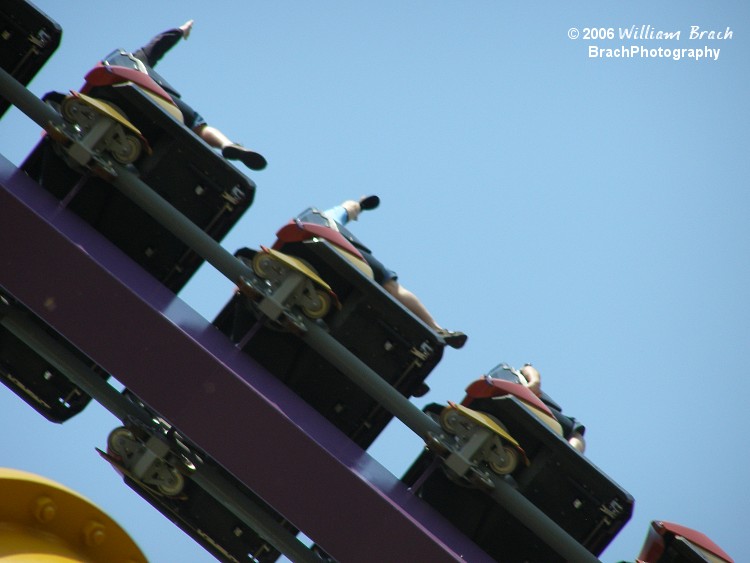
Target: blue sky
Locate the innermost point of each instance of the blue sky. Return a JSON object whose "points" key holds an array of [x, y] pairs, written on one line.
{"points": [[587, 215]]}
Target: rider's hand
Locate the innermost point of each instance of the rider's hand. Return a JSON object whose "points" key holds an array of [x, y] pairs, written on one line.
{"points": [[185, 28]]}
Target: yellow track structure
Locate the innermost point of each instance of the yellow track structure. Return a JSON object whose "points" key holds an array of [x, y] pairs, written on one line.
{"points": [[44, 522]]}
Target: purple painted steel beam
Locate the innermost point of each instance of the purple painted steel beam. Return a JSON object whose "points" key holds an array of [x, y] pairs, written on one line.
{"points": [[180, 365]]}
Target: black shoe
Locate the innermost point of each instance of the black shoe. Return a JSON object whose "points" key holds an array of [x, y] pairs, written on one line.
{"points": [[369, 202], [251, 159], [421, 390], [454, 339]]}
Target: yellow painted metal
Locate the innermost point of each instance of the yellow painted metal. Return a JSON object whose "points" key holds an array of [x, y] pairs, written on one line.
{"points": [[484, 420], [108, 110], [357, 262], [42, 521], [547, 419], [169, 107], [299, 265]]}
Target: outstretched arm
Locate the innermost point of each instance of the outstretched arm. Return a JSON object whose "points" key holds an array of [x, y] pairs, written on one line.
{"points": [[159, 45]]}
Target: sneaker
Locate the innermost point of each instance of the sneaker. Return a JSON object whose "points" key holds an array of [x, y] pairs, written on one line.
{"points": [[454, 339], [421, 390], [251, 159], [369, 202]]}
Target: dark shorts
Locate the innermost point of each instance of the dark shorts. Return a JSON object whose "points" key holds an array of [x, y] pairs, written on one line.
{"points": [[379, 271], [191, 117], [569, 424]]}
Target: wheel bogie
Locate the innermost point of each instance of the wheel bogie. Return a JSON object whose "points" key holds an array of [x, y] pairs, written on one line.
{"points": [[450, 420], [506, 464], [126, 149], [77, 112], [262, 264], [163, 472], [121, 442], [318, 305], [173, 484]]}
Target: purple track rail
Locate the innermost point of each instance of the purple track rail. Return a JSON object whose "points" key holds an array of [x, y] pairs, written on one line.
{"points": [[181, 366]]}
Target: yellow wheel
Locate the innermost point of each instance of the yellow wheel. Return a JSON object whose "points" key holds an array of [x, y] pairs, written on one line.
{"points": [[509, 464], [78, 112], [127, 149], [318, 306], [450, 420], [262, 262]]}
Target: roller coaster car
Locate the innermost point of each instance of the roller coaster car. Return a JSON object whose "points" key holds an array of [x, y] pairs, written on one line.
{"points": [[672, 543], [315, 272], [28, 38], [558, 480], [157, 463], [122, 115], [31, 377]]}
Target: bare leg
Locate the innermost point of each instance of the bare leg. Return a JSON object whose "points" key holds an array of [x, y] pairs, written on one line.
{"points": [[411, 302], [230, 150], [212, 136]]}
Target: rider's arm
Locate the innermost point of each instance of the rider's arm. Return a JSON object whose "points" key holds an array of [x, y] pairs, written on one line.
{"points": [[158, 46]]}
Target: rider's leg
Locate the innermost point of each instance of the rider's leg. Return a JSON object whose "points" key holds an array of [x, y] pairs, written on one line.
{"points": [[230, 150], [412, 302], [212, 136]]}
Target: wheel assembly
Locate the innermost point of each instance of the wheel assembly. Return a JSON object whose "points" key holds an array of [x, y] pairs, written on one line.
{"points": [[121, 443], [126, 148], [171, 484], [318, 305], [149, 460], [262, 264], [76, 111], [480, 481], [505, 464], [452, 420]]}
